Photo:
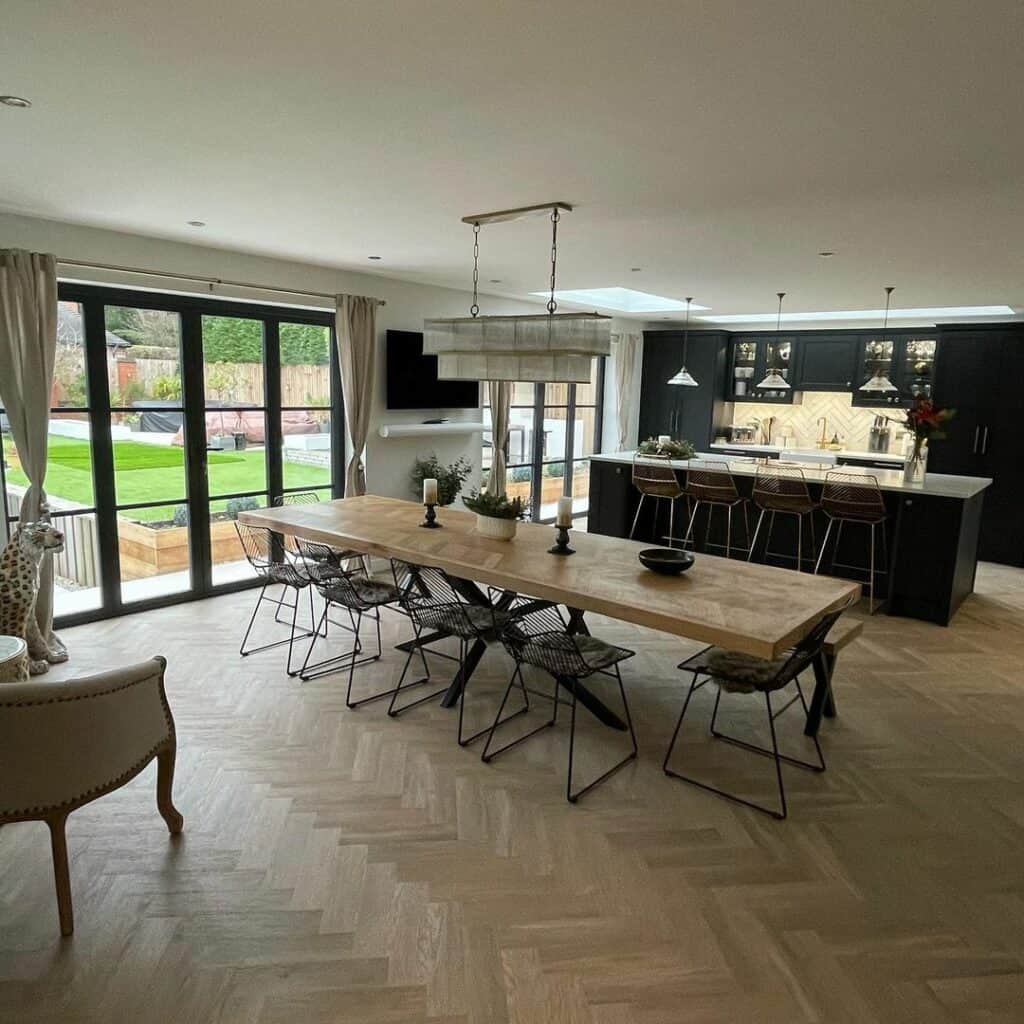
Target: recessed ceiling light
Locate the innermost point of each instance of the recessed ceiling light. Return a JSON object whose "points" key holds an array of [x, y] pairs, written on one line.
{"points": [[495, 280], [373, 257], [15, 101], [826, 254], [636, 270], [623, 300], [920, 313], [196, 223]]}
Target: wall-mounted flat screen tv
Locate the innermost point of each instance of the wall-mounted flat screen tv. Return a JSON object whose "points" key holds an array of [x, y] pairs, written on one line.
{"points": [[412, 378]]}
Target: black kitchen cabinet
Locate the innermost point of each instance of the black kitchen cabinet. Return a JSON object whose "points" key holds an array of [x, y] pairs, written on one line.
{"points": [[826, 363], [695, 414], [909, 360], [751, 359]]}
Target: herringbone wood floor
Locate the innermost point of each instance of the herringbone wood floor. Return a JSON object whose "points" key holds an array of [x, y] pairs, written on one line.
{"points": [[340, 866]]}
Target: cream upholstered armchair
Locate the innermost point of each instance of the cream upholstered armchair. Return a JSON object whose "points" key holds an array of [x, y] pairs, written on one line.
{"points": [[65, 744]]}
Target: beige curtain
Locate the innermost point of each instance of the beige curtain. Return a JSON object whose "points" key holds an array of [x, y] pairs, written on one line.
{"points": [[356, 337], [28, 346], [625, 357], [500, 396]]}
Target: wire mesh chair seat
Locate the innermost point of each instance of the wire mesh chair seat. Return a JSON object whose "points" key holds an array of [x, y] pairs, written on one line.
{"points": [[332, 555], [737, 672], [437, 610], [539, 638], [709, 482], [854, 498], [265, 552], [783, 490], [655, 478]]}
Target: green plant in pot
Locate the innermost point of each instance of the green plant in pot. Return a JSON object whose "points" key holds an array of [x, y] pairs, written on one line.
{"points": [[449, 478], [496, 515]]}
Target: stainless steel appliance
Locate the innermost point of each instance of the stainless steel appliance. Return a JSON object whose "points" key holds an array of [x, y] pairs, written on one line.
{"points": [[879, 435], [742, 435]]}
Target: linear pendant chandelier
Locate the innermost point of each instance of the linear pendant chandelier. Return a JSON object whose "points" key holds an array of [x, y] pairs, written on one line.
{"points": [[557, 347]]}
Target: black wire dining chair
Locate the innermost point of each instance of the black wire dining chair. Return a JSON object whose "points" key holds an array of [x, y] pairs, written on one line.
{"points": [[539, 638], [437, 610], [735, 672], [361, 597], [265, 552]]}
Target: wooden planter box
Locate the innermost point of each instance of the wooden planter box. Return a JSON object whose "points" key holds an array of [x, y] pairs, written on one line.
{"points": [[550, 488], [148, 552]]}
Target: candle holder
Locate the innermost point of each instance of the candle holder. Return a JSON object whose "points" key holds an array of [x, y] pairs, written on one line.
{"points": [[562, 542], [430, 520]]}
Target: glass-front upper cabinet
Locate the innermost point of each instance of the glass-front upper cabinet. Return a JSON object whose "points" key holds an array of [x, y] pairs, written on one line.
{"points": [[906, 360], [752, 359], [917, 368]]}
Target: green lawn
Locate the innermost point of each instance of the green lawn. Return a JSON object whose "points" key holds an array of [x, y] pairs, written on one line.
{"points": [[145, 472]]}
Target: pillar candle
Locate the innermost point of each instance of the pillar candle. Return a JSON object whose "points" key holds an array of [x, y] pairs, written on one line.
{"points": [[429, 491], [564, 515], [664, 438]]}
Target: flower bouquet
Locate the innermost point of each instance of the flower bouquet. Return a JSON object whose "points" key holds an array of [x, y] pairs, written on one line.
{"points": [[925, 423]]}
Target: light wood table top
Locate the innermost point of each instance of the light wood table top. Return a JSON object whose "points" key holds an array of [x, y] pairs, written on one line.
{"points": [[744, 606]]}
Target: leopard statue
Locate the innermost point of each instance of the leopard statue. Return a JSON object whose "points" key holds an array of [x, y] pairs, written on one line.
{"points": [[19, 584]]}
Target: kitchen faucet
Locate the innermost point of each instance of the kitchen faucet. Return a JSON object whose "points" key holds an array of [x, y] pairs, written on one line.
{"points": [[823, 440]]}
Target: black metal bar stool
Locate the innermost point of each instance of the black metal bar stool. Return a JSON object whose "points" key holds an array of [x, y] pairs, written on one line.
{"points": [[539, 638], [709, 482], [856, 499], [783, 490], [654, 477], [735, 672], [265, 552]]}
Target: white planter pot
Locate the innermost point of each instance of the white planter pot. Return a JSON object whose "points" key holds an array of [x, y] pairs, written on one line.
{"points": [[495, 529]]}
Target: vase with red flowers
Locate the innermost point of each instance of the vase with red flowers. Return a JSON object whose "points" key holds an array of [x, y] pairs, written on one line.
{"points": [[925, 422]]}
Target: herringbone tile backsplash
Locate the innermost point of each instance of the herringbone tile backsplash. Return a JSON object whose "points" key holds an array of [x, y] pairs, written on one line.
{"points": [[800, 422]]}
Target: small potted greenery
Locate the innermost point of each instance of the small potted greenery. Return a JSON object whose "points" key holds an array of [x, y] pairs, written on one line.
{"points": [[673, 449], [449, 478], [496, 516]]}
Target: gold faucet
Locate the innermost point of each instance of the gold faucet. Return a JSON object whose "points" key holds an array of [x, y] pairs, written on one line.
{"points": [[823, 440]]}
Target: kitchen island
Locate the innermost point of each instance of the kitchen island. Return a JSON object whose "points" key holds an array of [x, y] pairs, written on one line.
{"points": [[932, 528]]}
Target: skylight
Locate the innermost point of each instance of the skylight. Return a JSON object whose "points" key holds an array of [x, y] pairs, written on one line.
{"points": [[622, 300], [922, 313]]}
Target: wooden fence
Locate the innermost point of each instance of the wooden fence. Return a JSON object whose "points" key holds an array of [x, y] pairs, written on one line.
{"points": [[301, 385]]}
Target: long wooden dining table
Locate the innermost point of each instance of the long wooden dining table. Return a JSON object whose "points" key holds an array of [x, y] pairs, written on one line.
{"points": [[744, 606]]}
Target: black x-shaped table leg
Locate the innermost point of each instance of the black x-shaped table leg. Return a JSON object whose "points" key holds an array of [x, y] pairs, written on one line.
{"points": [[821, 701]]}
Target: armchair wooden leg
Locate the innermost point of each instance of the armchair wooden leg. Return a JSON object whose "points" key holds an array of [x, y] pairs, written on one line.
{"points": [[164, 785], [61, 875]]}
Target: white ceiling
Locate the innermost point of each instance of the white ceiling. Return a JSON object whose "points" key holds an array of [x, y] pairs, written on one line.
{"points": [[717, 145]]}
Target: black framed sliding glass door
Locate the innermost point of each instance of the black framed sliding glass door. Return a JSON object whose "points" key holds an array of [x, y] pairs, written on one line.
{"points": [[171, 414]]}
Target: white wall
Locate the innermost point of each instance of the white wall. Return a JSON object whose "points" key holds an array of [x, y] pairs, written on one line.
{"points": [[387, 461]]}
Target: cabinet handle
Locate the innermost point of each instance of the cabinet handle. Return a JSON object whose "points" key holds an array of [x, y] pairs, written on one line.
{"points": [[977, 431], [984, 442]]}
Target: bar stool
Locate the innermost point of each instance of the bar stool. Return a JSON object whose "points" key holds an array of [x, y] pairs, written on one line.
{"points": [[854, 498], [783, 489], [709, 482], [654, 477]]}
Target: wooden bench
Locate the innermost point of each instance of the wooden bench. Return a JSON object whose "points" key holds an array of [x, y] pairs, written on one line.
{"points": [[822, 702]]}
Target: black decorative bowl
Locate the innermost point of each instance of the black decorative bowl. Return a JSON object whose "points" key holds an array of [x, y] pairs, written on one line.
{"points": [[667, 561]]}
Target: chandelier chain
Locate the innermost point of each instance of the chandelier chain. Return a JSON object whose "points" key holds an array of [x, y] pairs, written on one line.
{"points": [[474, 309], [555, 217]]}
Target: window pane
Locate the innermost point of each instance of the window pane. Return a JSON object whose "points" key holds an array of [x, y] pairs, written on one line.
{"points": [[522, 394], [69, 381], [145, 471], [586, 394], [553, 445], [240, 463], [69, 480], [580, 487], [519, 483], [154, 551], [77, 569], [584, 432], [228, 556], [143, 358], [305, 365], [552, 482], [306, 448], [520, 436], [556, 394], [233, 361]]}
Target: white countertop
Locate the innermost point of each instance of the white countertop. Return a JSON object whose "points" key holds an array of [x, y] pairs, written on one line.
{"points": [[937, 484], [846, 453]]}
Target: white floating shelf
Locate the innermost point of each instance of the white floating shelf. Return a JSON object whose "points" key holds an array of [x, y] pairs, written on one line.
{"points": [[429, 429]]}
